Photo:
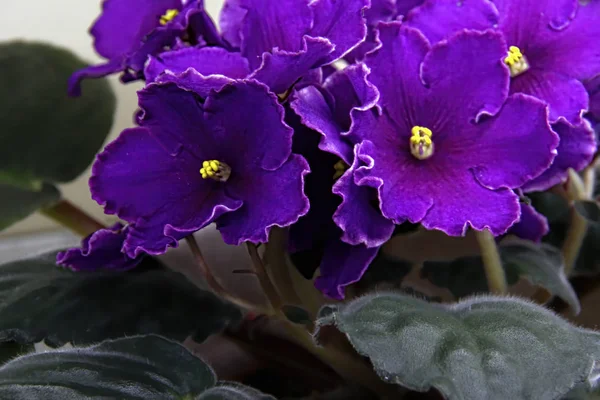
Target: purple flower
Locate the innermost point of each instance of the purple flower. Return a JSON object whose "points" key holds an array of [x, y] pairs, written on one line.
{"points": [[279, 41], [448, 145], [100, 251], [593, 88], [340, 263], [202, 156], [380, 11], [551, 45], [128, 31], [532, 225]]}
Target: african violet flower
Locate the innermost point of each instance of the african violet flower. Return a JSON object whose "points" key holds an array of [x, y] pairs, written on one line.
{"points": [[593, 88], [448, 145], [279, 41], [380, 11], [202, 156], [532, 225], [551, 45], [100, 251], [128, 31]]}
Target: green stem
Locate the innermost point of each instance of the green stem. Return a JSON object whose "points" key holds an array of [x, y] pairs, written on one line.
{"points": [[212, 281], [578, 228], [492, 264], [70, 216]]}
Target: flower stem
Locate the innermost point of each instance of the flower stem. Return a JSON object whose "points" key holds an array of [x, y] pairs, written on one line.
{"points": [[263, 277], [492, 264], [211, 280], [70, 216], [576, 233]]}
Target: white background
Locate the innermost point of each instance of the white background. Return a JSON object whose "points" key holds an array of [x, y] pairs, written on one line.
{"points": [[66, 23]]}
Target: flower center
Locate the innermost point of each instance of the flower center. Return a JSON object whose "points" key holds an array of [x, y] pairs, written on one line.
{"points": [[516, 61], [216, 170], [340, 167], [168, 16], [421, 145]]}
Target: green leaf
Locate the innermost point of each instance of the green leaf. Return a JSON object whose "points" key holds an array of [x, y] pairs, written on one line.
{"points": [[17, 203], [541, 264], [297, 315], [492, 348], [10, 350], [46, 135], [385, 271], [589, 210], [233, 391], [141, 367], [39, 300]]}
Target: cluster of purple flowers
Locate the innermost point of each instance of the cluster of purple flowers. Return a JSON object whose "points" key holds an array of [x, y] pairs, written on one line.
{"points": [[448, 111]]}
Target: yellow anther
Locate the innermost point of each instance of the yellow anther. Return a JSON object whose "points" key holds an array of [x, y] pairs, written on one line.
{"points": [[516, 61], [168, 16], [421, 144], [340, 167], [216, 170]]}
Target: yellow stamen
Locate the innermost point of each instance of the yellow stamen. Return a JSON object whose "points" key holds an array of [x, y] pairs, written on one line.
{"points": [[340, 167], [216, 170], [168, 16], [421, 145], [516, 61]]}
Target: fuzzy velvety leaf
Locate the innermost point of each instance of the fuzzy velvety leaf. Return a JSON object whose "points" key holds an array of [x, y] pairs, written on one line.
{"points": [[39, 300], [492, 348], [541, 264], [140, 367], [10, 350], [46, 135], [17, 203]]}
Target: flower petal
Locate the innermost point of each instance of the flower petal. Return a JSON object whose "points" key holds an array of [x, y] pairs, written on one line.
{"points": [[205, 60], [565, 96], [440, 19], [576, 150], [99, 251], [192, 80], [342, 265], [123, 24], [271, 198], [358, 216], [341, 22], [509, 149], [281, 68], [135, 178], [532, 225], [94, 71]]}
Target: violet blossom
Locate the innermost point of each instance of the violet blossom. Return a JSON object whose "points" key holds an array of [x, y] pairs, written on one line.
{"points": [[281, 41], [128, 31], [102, 250], [202, 156], [449, 143]]}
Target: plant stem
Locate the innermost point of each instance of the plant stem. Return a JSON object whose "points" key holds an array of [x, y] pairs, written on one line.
{"points": [[589, 180], [492, 264], [265, 281], [70, 216], [211, 280], [578, 227]]}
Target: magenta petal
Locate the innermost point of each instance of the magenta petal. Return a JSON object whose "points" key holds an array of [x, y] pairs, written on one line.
{"points": [[261, 210], [404, 6], [532, 225], [341, 22], [194, 81], [123, 24], [576, 150], [281, 68], [99, 251], [205, 60], [593, 88], [565, 96], [358, 216], [231, 21], [510, 149], [439, 19], [342, 265]]}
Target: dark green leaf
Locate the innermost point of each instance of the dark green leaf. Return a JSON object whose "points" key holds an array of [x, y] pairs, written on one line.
{"points": [[492, 348], [140, 367], [47, 136], [39, 300], [384, 270], [10, 350], [296, 314], [17, 203], [589, 210], [541, 264], [554, 207], [233, 391]]}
